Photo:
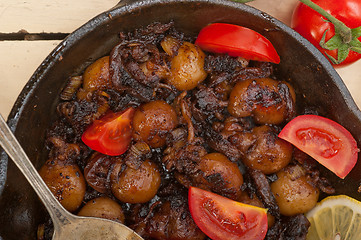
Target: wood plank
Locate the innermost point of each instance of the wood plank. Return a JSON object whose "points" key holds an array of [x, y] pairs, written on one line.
{"points": [[37, 16], [22, 59], [279, 9], [351, 75]]}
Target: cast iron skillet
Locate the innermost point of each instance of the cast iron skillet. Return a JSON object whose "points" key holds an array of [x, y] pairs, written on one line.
{"points": [[316, 82]]}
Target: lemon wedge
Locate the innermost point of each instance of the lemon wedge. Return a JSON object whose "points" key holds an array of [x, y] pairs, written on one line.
{"points": [[335, 218]]}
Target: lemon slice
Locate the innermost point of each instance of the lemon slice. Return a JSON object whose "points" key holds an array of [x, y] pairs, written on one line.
{"points": [[335, 218]]}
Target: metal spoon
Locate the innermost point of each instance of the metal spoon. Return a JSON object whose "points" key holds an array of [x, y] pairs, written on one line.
{"points": [[66, 225]]}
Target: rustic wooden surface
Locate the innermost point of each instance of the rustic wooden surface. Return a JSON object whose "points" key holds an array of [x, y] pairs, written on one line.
{"points": [[20, 58]]}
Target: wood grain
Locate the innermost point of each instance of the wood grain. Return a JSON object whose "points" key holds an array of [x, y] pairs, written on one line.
{"points": [[37, 16], [22, 59]]}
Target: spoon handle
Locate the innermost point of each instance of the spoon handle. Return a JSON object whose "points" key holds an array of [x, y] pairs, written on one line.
{"points": [[12, 147]]}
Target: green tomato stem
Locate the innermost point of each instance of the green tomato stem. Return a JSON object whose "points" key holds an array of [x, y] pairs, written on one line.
{"points": [[340, 27]]}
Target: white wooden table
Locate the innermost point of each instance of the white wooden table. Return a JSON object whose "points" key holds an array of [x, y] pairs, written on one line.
{"points": [[20, 58]]}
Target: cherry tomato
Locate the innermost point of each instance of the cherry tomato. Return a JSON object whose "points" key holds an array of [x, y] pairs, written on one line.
{"points": [[312, 25], [236, 41], [324, 140], [221, 218], [110, 135]]}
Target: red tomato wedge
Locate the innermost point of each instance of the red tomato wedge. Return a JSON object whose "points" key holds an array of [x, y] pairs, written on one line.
{"points": [[236, 41], [325, 140], [221, 218], [110, 135]]}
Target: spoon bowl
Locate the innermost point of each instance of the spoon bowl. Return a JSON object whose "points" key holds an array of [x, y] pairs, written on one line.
{"points": [[79, 228], [66, 225]]}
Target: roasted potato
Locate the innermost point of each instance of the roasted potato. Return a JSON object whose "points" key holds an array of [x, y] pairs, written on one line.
{"points": [[222, 174], [65, 181], [268, 101], [152, 121], [293, 193], [266, 151], [103, 207], [96, 75], [187, 67], [132, 185]]}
